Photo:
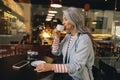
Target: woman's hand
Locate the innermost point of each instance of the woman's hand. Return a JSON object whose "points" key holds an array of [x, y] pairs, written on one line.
{"points": [[44, 67], [56, 33]]}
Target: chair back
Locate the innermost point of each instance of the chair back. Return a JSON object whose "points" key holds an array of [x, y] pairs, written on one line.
{"points": [[108, 72], [96, 73]]}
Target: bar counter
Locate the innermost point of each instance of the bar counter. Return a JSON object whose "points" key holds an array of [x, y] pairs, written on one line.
{"points": [[11, 54]]}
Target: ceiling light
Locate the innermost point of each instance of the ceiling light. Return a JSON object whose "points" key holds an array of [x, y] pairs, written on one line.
{"points": [[94, 22], [56, 3], [51, 14], [54, 20], [83, 10], [48, 19], [51, 11]]}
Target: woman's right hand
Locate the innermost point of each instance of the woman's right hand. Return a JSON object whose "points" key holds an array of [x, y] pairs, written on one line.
{"points": [[57, 33]]}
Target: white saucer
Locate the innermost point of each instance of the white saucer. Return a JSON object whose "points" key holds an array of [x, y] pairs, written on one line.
{"points": [[36, 63]]}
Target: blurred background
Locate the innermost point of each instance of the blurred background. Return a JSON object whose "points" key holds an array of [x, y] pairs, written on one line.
{"points": [[38, 18]]}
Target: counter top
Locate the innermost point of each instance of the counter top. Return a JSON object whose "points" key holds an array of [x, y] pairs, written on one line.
{"points": [[25, 73]]}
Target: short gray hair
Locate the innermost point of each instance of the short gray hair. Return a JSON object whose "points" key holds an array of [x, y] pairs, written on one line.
{"points": [[76, 18]]}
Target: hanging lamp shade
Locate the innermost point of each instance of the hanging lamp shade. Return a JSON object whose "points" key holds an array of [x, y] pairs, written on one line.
{"points": [[56, 3], [52, 10]]}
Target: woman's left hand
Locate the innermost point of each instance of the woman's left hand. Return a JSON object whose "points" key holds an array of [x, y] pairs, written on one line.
{"points": [[44, 67]]}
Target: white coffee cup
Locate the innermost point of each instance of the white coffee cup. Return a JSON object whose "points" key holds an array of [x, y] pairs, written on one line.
{"points": [[60, 27]]}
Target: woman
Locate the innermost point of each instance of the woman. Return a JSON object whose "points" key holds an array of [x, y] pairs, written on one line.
{"points": [[76, 48]]}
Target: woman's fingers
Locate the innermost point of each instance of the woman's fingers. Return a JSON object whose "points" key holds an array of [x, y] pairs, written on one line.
{"points": [[39, 68], [43, 67], [56, 33]]}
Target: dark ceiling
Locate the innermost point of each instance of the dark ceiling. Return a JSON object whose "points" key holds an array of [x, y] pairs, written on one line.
{"points": [[94, 4]]}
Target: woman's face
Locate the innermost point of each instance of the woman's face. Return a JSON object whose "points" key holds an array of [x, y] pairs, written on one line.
{"points": [[68, 26]]}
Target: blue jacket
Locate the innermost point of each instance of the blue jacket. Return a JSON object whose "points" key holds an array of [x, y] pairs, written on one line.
{"points": [[80, 56]]}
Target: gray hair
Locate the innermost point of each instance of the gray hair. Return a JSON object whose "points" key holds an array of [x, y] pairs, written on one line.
{"points": [[76, 18]]}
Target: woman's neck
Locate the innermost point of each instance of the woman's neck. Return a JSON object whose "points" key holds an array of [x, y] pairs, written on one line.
{"points": [[73, 33]]}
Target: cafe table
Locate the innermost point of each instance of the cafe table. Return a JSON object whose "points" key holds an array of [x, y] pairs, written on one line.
{"points": [[25, 73]]}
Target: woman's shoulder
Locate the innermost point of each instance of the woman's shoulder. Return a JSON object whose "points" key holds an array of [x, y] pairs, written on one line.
{"points": [[84, 37]]}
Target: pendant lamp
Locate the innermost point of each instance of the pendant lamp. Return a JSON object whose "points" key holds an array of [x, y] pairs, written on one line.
{"points": [[56, 3]]}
